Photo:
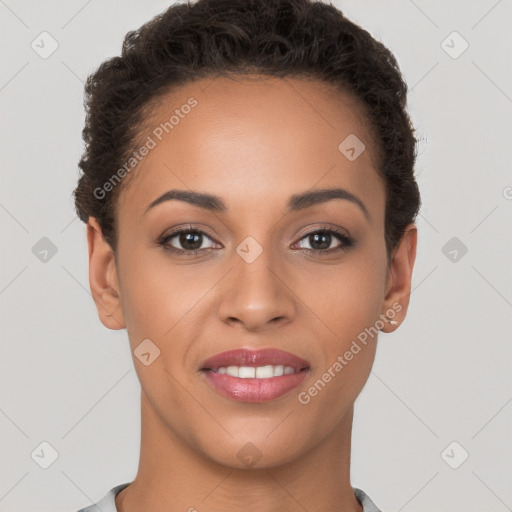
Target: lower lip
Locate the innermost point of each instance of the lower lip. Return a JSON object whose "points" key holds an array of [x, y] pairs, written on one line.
{"points": [[254, 390]]}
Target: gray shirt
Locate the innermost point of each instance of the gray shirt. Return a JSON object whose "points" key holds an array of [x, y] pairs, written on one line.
{"points": [[107, 503]]}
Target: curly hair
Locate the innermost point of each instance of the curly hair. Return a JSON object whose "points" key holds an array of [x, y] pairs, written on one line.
{"points": [[209, 38]]}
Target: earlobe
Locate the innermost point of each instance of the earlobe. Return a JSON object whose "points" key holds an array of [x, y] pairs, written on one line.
{"points": [[103, 278], [399, 280]]}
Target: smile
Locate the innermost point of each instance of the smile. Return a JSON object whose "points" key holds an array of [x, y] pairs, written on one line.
{"points": [[254, 376], [258, 372]]}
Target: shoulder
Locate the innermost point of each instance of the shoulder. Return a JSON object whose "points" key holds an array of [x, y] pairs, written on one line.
{"points": [[107, 503], [367, 504]]}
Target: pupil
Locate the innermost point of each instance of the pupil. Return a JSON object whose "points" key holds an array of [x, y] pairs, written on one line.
{"points": [[188, 238], [326, 240], [192, 240]]}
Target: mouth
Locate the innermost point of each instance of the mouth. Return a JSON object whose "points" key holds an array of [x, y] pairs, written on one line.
{"points": [[255, 376], [256, 372], [261, 364]]}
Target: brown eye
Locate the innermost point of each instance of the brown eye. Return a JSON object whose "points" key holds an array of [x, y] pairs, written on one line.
{"points": [[186, 241], [191, 240], [321, 241]]}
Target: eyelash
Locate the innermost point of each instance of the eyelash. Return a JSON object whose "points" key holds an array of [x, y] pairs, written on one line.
{"points": [[346, 241]]}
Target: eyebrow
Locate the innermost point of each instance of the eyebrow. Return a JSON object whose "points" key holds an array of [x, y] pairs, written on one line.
{"points": [[296, 202]]}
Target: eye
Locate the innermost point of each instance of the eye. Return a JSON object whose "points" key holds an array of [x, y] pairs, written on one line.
{"points": [[189, 238], [320, 241]]}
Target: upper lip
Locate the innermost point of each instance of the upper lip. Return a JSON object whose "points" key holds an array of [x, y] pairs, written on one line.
{"points": [[253, 358]]}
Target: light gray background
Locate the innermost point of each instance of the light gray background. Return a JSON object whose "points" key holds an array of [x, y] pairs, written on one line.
{"points": [[443, 376]]}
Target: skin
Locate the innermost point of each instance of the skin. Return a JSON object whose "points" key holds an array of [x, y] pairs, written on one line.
{"points": [[254, 144]]}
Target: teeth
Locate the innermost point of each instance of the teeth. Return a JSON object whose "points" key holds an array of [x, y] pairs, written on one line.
{"points": [[278, 370], [263, 372], [258, 372], [245, 372], [232, 370]]}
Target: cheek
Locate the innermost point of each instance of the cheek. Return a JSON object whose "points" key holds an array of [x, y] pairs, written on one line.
{"points": [[346, 297], [348, 304], [152, 293], [155, 300], [161, 300]]}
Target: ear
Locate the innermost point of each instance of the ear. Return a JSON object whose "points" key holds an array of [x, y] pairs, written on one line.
{"points": [[103, 278], [398, 283]]}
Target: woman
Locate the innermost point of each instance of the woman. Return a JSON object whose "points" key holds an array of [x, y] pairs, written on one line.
{"points": [[249, 193]]}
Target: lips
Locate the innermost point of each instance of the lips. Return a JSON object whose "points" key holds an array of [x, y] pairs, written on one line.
{"points": [[254, 358], [282, 372]]}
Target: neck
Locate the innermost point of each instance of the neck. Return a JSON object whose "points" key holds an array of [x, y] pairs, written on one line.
{"points": [[172, 476]]}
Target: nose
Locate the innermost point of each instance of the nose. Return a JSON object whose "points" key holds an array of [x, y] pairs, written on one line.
{"points": [[257, 295]]}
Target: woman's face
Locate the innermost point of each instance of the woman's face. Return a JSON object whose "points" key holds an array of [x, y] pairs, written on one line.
{"points": [[250, 279]]}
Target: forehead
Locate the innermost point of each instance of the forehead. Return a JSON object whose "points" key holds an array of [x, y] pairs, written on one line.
{"points": [[253, 139]]}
